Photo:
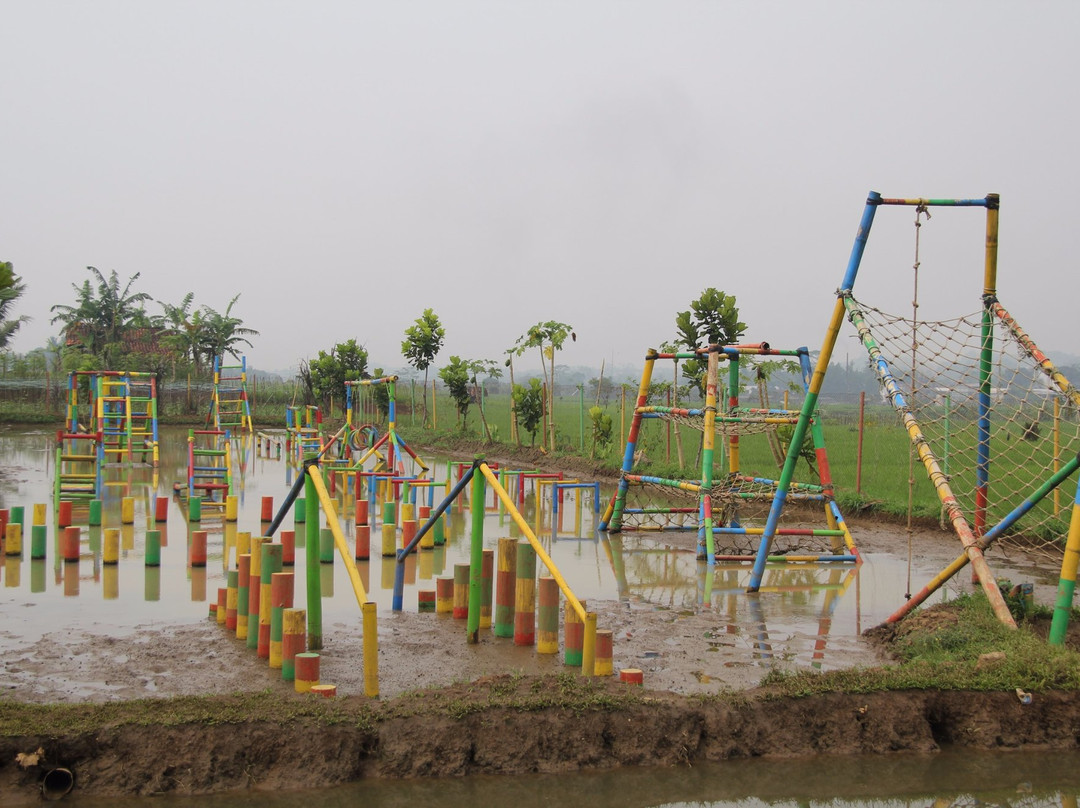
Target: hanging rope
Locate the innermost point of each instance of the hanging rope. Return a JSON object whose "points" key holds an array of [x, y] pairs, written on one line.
{"points": [[920, 211]]}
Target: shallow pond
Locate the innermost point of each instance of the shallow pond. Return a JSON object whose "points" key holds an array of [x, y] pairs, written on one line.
{"points": [[814, 602]]}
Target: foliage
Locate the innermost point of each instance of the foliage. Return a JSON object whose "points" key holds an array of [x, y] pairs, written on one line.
{"points": [[529, 405], [457, 376], [713, 319], [423, 341], [601, 429], [11, 289], [326, 374], [103, 315], [223, 333], [548, 337]]}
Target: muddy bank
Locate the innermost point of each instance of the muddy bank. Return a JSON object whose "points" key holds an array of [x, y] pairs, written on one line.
{"points": [[504, 725]]}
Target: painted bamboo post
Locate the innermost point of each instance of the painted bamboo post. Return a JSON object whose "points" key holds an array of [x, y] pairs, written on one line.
{"points": [[94, 517], [525, 596], [281, 598], [39, 513], [110, 553], [326, 546], [269, 565], [127, 510], [461, 591], [476, 558], [311, 558], [505, 584], [363, 541], [152, 549], [604, 662], [72, 538], [1059, 624], [574, 631], [371, 649], [231, 579], [194, 509], [547, 634], [254, 587], [232, 507], [444, 595], [161, 509], [288, 548], [361, 506], [243, 581], [197, 551], [293, 641], [222, 609], [486, 575], [63, 514], [306, 671], [425, 601], [39, 540]]}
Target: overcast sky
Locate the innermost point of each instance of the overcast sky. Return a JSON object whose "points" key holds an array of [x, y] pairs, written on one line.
{"points": [[344, 165]]}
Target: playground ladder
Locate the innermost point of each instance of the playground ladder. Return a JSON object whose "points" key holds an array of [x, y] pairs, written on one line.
{"points": [[231, 408], [209, 466], [78, 468]]}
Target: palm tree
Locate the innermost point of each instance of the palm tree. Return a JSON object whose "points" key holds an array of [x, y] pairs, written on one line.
{"points": [[103, 316], [184, 329], [11, 289], [223, 333]]}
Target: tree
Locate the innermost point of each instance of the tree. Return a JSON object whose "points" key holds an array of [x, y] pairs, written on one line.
{"points": [[423, 341], [529, 404], [548, 337], [104, 315], [11, 289], [183, 330], [326, 374], [456, 376], [224, 333], [713, 319], [490, 369]]}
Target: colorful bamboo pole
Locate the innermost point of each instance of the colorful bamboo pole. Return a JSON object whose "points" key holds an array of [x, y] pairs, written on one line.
{"points": [[547, 629], [243, 582], [476, 559], [574, 635], [311, 559], [525, 596], [505, 584], [487, 568], [461, 591], [293, 641], [269, 566]]}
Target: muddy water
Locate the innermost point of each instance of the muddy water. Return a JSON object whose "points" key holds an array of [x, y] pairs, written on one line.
{"points": [[802, 613], [946, 779]]}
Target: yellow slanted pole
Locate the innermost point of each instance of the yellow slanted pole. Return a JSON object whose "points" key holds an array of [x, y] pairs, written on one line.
{"points": [[339, 538]]}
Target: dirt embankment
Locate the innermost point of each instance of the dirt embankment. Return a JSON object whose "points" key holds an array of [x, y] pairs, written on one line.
{"points": [[515, 725]]}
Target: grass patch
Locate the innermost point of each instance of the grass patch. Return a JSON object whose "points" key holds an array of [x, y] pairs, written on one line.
{"points": [[939, 649]]}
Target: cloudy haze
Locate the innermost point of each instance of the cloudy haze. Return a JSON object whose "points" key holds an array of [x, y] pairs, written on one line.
{"points": [[344, 165]]}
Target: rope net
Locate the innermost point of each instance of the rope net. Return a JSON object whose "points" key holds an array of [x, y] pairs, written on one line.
{"points": [[1034, 427]]}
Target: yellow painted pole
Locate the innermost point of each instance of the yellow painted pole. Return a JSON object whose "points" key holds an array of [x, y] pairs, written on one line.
{"points": [[371, 650], [339, 537], [588, 646]]}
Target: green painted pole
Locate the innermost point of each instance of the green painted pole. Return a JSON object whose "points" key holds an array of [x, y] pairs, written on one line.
{"points": [[1059, 624], [476, 557], [311, 560]]}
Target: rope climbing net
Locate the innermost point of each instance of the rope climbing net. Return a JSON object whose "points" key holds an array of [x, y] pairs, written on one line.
{"points": [[1029, 413]]}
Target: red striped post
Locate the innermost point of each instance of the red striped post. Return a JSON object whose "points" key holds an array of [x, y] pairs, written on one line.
{"points": [[604, 651], [363, 541], [425, 600], [547, 618], [307, 671], [293, 640], [525, 596], [222, 604], [281, 598], [505, 583], [632, 676], [254, 584], [461, 591], [574, 636], [230, 602], [288, 548], [444, 595], [70, 543], [243, 583], [197, 549], [486, 573], [270, 564]]}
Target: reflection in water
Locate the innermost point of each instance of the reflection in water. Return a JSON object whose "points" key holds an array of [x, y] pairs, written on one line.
{"points": [[950, 778], [814, 604]]}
